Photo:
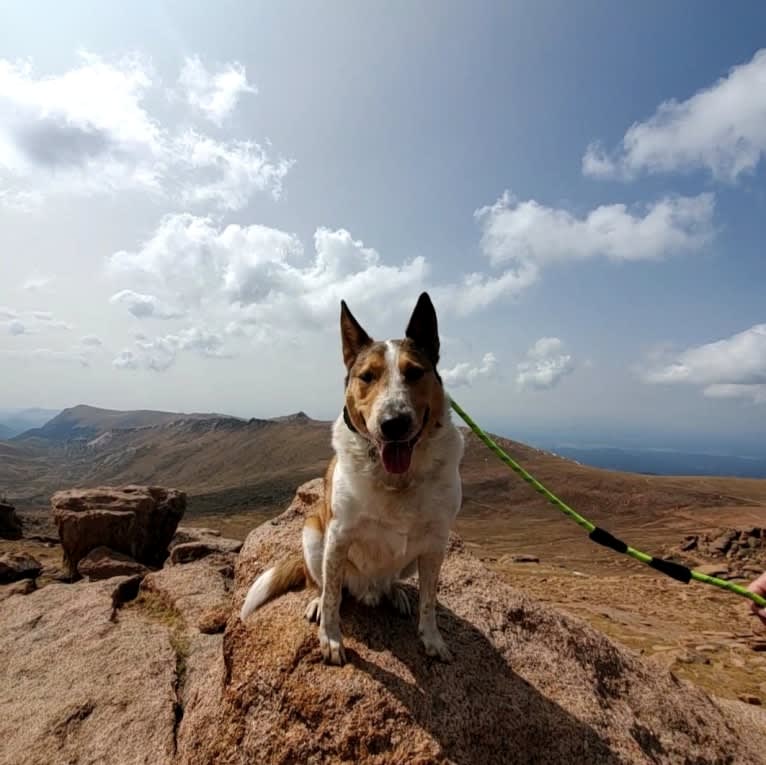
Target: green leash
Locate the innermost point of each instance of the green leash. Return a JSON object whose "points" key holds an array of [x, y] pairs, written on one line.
{"points": [[599, 535]]}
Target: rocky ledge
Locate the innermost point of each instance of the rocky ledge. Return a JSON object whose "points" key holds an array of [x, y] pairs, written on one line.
{"points": [[164, 672]]}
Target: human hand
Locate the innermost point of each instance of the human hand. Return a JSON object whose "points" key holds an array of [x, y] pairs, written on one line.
{"points": [[758, 586]]}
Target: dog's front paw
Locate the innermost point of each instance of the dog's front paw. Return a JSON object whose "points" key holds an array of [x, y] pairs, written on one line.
{"points": [[313, 610], [435, 646], [331, 644]]}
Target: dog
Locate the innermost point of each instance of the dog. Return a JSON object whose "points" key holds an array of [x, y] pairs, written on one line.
{"points": [[392, 490]]}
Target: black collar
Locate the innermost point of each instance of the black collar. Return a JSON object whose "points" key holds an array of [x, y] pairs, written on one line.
{"points": [[347, 420]]}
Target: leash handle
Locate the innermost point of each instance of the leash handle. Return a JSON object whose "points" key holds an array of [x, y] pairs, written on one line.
{"points": [[599, 535]]}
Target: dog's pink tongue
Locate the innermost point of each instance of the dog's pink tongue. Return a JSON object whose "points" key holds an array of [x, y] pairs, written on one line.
{"points": [[396, 456]]}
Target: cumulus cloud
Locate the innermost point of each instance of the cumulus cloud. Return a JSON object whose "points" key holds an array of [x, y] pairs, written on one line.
{"points": [[89, 130], [215, 95], [91, 341], [144, 306], [546, 365], [256, 281], [477, 291], [721, 128], [259, 276], [531, 235], [734, 367], [466, 374], [160, 353], [522, 238]]}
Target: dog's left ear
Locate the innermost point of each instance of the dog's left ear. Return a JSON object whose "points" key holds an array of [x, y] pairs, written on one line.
{"points": [[352, 334], [423, 329]]}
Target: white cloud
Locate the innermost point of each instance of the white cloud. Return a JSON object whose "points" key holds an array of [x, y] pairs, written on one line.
{"points": [[546, 365], [91, 341], [238, 284], [37, 283], [233, 171], [721, 128], [476, 291], [144, 306], [215, 95], [531, 235], [160, 353], [521, 238], [731, 368], [465, 373], [255, 276], [89, 131], [30, 322], [257, 282]]}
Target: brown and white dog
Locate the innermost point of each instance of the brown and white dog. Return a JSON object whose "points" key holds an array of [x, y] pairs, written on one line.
{"points": [[392, 491]]}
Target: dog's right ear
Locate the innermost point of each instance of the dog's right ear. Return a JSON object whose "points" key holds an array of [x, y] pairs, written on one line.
{"points": [[354, 338]]}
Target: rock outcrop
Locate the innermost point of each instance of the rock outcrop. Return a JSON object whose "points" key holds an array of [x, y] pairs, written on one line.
{"points": [[98, 673], [10, 524], [103, 563], [190, 544], [728, 553], [78, 687], [18, 565], [138, 521], [129, 671], [528, 684]]}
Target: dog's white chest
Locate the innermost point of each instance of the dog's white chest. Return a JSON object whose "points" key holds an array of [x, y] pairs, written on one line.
{"points": [[378, 549]]}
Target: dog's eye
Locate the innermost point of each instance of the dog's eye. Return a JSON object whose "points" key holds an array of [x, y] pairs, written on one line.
{"points": [[413, 374], [367, 377]]}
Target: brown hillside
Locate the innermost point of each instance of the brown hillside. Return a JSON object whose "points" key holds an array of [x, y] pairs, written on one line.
{"points": [[227, 464]]}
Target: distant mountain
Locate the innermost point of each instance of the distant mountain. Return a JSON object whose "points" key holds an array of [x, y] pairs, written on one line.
{"points": [[87, 422], [15, 421], [227, 464]]}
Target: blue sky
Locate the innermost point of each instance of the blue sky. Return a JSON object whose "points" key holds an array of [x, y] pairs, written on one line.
{"points": [[351, 146]]}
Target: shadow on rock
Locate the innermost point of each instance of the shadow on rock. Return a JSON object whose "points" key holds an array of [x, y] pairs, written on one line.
{"points": [[477, 708]]}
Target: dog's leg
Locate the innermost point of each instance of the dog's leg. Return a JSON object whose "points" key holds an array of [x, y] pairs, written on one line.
{"points": [[429, 566], [333, 569], [313, 545]]}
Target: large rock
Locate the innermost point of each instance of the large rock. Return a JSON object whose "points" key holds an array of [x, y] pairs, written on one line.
{"points": [[18, 565], [196, 589], [10, 525], [115, 673], [103, 563], [528, 684], [80, 688], [190, 544], [89, 678], [138, 521]]}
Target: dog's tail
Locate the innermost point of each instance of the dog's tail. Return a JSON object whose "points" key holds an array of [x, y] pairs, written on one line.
{"points": [[288, 574]]}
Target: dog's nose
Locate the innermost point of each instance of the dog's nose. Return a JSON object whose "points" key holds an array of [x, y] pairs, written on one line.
{"points": [[396, 428]]}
